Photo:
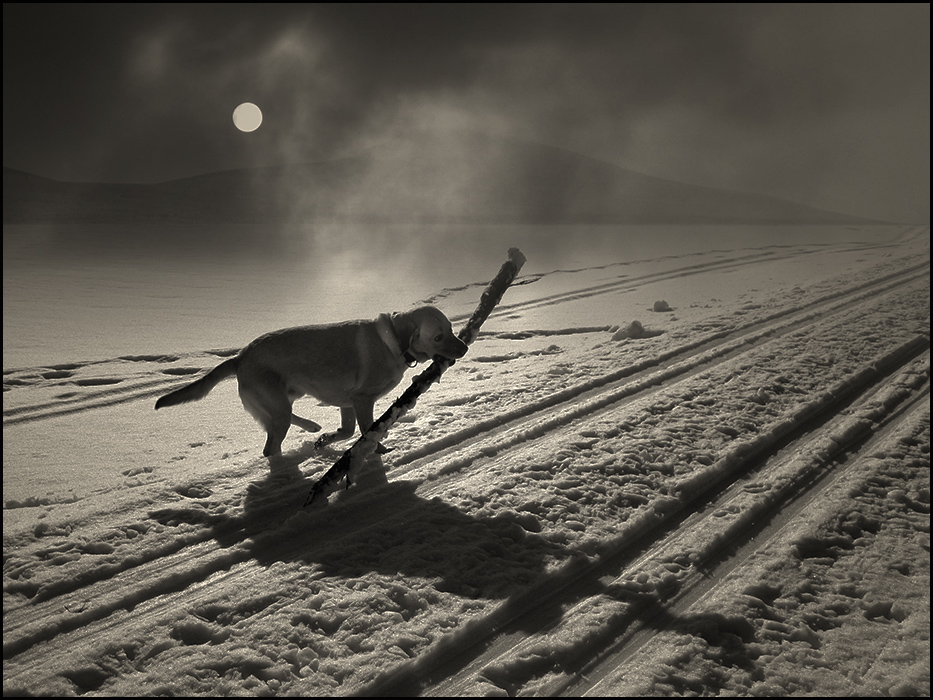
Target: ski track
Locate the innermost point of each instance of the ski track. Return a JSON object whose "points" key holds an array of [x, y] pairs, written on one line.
{"points": [[681, 503], [781, 517]]}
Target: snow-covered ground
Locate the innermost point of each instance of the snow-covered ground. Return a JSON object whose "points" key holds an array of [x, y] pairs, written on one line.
{"points": [[704, 472]]}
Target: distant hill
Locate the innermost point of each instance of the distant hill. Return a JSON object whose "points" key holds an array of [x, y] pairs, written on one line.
{"points": [[428, 179]]}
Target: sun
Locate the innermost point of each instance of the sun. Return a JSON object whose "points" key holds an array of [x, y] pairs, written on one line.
{"points": [[247, 117]]}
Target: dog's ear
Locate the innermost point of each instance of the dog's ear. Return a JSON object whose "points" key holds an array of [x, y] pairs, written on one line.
{"points": [[413, 337], [406, 330]]}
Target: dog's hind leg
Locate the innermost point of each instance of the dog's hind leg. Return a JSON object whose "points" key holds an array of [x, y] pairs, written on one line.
{"points": [[278, 410], [266, 400], [275, 435], [305, 424], [275, 421]]}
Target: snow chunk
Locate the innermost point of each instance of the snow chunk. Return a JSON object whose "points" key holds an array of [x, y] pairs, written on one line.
{"points": [[633, 330]]}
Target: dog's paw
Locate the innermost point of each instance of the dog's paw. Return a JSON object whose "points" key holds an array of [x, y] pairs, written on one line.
{"points": [[328, 438]]}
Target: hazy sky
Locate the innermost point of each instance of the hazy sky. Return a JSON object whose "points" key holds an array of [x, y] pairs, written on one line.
{"points": [[827, 105]]}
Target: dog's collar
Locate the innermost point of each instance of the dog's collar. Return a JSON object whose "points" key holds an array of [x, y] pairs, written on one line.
{"points": [[390, 338]]}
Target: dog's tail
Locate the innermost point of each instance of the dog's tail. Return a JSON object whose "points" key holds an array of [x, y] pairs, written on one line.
{"points": [[202, 387]]}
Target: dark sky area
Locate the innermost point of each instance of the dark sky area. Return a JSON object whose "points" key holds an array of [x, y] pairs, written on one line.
{"points": [[825, 104]]}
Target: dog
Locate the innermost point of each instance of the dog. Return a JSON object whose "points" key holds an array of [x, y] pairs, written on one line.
{"points": [[349, 365]]}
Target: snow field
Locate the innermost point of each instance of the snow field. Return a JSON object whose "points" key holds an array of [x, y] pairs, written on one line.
{"points": [[538, 458]]}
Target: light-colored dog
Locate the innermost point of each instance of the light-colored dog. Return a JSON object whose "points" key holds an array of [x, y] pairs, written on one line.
{"points": [[350, 365]]}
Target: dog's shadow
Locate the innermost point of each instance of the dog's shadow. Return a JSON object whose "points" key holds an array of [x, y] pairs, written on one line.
{"points": [[386, 527]]}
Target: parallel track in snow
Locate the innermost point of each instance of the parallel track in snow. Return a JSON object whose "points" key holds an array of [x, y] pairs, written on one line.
{"points": [[66, 611], [763, 524], [622, 599], [625, 282]]}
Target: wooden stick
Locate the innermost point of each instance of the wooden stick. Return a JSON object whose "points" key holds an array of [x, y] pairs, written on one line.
{"points": [[352, 460]]}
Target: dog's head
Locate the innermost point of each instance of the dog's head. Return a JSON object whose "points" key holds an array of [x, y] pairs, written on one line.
{"points": [[425, 333]]}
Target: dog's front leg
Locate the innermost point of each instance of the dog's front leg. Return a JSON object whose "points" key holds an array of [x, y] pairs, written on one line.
{"points": [[364, 415]]}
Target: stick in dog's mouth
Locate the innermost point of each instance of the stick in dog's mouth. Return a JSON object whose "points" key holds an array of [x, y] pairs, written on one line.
{"points": [[352, 460]]}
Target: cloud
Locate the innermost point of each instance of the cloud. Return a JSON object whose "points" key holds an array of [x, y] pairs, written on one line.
{"points": [[710, 93]]}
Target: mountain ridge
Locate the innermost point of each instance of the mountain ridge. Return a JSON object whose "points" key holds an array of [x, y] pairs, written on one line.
{"points": [[424, 180]]}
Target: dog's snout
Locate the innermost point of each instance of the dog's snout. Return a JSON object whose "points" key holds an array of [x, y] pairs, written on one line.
{"points": [[455, 348]]}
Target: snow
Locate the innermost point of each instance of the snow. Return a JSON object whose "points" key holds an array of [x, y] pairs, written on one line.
{"points": [[698, 468]]}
